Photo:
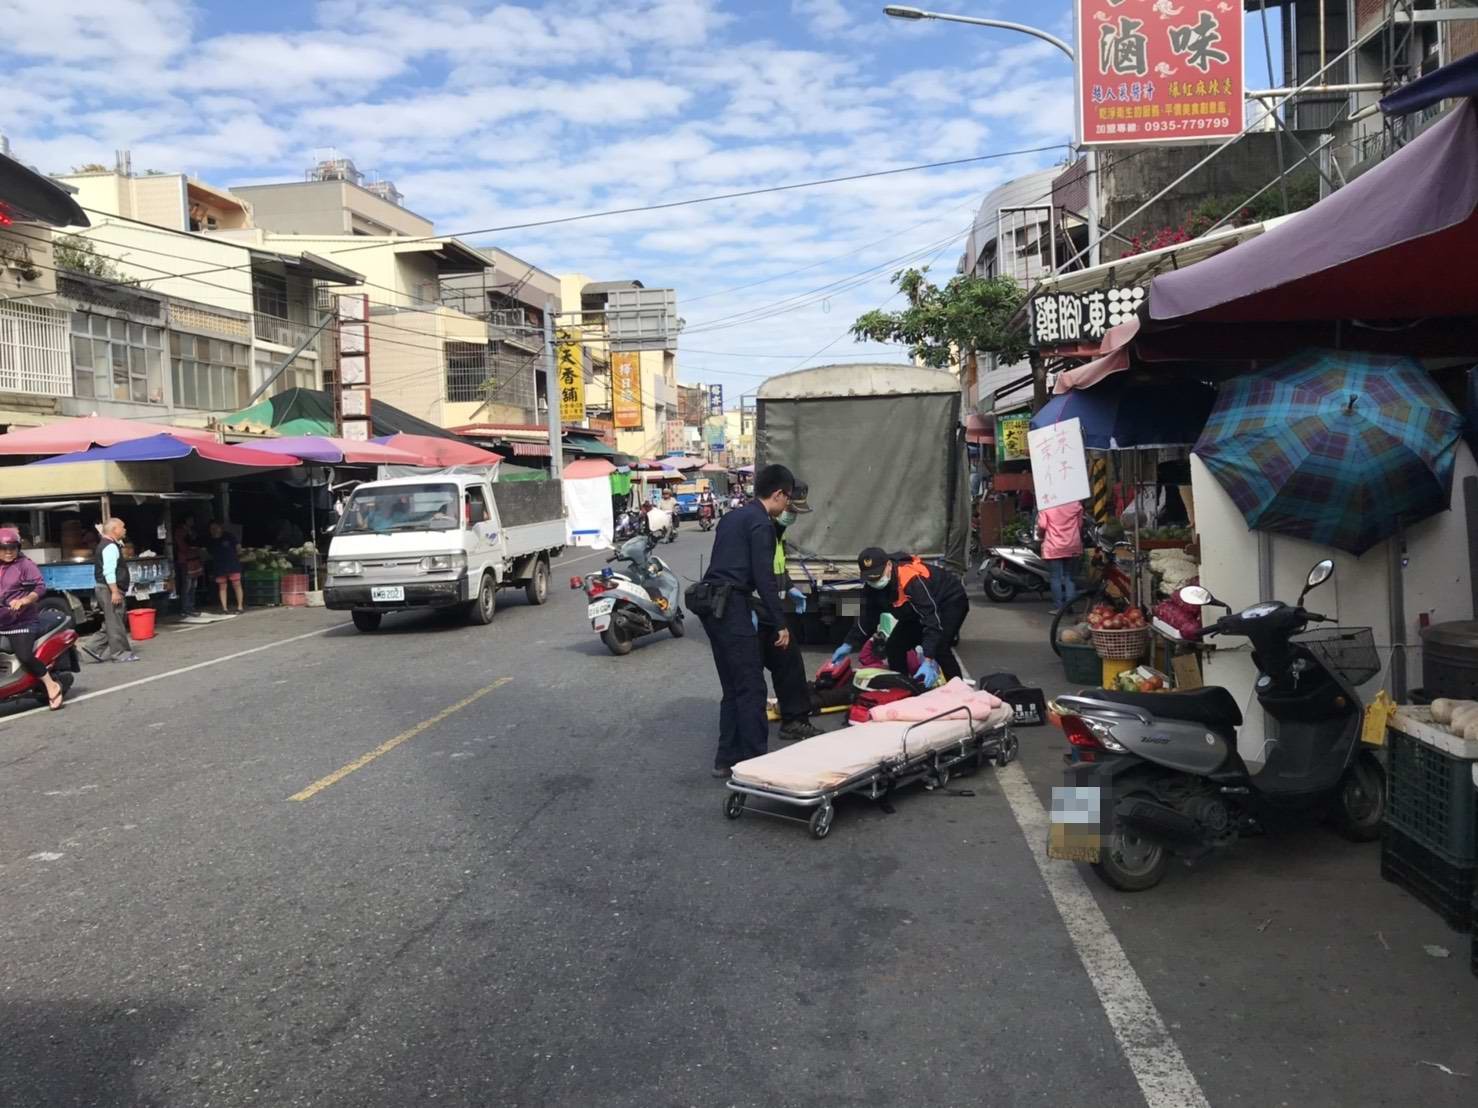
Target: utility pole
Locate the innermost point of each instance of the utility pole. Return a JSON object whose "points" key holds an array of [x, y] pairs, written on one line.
{"points": [[551, 395]]}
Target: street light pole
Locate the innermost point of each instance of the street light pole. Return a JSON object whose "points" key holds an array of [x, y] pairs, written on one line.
{"points": [[1090, 154]]}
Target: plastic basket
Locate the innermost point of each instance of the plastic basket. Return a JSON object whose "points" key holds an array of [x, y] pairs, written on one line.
{"points": [[1347, 652], [261, 592], [1128, 644], [1080, 664], [1445, 888], [1431, 798]]}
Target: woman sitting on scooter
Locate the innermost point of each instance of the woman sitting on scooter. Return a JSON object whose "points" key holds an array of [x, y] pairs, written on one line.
{"points": [[21, 589]]}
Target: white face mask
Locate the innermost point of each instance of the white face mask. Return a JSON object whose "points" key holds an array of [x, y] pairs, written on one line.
{"points": [[882, 582], [786, 518]]}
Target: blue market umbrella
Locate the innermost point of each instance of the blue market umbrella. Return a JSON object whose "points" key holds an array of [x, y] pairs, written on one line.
{"points": [[1339, 448], [1123, 414]]}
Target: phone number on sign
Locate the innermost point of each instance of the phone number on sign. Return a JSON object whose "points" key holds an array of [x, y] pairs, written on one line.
{"points": [[1202, 124]]}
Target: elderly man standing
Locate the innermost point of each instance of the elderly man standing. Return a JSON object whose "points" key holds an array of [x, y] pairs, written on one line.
{"points": [[110, 576]]}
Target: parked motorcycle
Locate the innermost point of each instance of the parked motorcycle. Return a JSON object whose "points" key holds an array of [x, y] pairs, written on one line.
{"points": [[624, 606], [1162, 770], [55, 647], [1008, 570]]}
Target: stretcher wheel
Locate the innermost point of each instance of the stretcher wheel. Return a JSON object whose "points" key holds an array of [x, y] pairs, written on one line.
{"points": [[1010, 745], [734, 805], [821, 822]]}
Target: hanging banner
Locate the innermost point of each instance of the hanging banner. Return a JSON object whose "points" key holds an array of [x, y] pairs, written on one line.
{"points": [[1011, 436], [1059, 463], [1159, 71], [570, 372], [626, 391]]}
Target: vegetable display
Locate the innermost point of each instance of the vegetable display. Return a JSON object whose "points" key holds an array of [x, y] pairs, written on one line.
{"points": [[1184, 619], [1458, 716]]}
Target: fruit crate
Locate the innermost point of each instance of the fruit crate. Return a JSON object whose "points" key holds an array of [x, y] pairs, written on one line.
{"points": [[1445, 888], [1431, 799], [261, 590]]}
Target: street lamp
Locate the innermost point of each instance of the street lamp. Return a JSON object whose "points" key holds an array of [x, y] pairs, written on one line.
{"points": [[898, 11]]}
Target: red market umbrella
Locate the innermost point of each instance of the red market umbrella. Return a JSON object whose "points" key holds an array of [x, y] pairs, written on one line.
{"points": [[194, 460], [84, 432], [442, 452], [324, 448]]}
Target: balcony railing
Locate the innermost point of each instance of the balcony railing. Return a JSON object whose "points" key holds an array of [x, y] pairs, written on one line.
{"points": [[282, 332]]}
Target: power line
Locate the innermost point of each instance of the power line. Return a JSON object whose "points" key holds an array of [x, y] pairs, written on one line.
{"points": [[711, 199]]}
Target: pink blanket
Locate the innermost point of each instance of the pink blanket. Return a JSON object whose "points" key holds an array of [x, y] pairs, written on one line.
{"points": [[954, 694]]}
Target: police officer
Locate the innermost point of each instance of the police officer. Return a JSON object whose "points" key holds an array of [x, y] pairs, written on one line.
{"points": [[743, 564], [787, 669], [929, 603]]}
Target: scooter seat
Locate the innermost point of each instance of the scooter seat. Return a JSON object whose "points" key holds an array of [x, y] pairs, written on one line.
{"points": [[1212, 706]]}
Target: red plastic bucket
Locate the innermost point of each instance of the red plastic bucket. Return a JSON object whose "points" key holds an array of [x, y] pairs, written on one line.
{"points": [[141, 624]]}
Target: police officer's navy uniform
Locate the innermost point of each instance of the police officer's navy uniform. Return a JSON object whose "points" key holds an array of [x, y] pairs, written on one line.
{"points": [[744, 564]]}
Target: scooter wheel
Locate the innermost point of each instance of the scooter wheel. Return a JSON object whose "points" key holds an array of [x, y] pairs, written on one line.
{"points": [[998, 590]]}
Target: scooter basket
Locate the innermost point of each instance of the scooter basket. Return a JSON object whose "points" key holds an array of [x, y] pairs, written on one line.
{"points": [[1128, 644], [1347, 652]]}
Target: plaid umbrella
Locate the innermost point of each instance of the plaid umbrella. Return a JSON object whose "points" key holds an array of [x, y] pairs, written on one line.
{"points": [[1336, 447]]}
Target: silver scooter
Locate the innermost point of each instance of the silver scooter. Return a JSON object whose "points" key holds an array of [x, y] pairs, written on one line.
{"points": [[1008, 570], [643, 600], [1158, 774]]}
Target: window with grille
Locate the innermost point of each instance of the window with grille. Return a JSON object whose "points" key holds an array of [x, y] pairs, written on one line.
{"points": [[269, 294], [209, 373], [466, 371], [116, 359], [302, 374]]}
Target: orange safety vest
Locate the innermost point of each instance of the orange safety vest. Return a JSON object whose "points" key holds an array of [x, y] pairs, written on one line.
{"points": [[906, 572]]}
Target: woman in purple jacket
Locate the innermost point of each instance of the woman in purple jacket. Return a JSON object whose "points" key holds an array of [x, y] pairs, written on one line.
{"points": [[21, 588]]}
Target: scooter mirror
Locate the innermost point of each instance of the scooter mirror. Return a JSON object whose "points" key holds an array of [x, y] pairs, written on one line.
{"points": [[1197, 596], [1321, 572]]}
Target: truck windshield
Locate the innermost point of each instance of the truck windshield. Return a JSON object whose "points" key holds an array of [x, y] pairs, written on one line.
{"points": [[401, 508]]}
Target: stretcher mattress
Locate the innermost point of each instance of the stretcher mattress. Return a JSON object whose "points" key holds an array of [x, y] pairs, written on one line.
{"points": [[830, 760]]}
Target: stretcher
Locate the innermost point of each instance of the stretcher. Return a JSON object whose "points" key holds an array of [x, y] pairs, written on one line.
{"points": [[869, 760]]}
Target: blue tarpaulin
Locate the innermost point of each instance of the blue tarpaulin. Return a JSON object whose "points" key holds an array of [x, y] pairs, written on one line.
{"points": [[1121, 414], [1453, 81]]}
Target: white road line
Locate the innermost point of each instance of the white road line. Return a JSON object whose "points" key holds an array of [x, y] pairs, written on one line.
{"points": [[1156, 1062], [175, 672], [583, 558]]}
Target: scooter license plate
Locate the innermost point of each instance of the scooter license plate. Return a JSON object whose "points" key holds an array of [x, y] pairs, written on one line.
{"points": [[602, 608], [1074, 830], [387, 592]]}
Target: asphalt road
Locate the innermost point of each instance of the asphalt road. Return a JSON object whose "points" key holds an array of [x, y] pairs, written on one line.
{"points": [[523, 892]]}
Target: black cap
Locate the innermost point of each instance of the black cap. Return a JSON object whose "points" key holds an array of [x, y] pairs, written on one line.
{"points": [[873, 562], [798, 497]]}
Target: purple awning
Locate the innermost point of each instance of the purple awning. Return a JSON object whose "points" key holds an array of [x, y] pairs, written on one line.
{"points": [[1398, 242]]}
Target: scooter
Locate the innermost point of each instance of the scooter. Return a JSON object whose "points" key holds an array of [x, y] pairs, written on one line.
{"points": [[706, 515], [1008, 570], [1156, 775], [55, 648], [628, 526], [640, 601]]}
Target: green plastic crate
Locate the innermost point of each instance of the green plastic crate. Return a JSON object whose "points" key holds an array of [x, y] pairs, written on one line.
{"points": [[1081, 665], [1431, 798]]}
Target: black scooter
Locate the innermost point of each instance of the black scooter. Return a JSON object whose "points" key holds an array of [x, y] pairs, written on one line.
{"points": [[1158, 774]]}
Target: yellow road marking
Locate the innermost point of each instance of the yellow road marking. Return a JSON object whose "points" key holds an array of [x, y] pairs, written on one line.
{"points": [[390, 744]]}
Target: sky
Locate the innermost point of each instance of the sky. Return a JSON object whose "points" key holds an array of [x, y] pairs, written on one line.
{"points": [[487, 115]]}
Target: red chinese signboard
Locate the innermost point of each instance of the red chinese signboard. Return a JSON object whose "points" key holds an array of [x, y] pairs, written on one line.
{"points": [[1159, 70]]}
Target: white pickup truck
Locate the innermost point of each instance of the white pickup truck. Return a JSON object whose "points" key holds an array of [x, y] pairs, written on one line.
{"points": [[442, 540]]}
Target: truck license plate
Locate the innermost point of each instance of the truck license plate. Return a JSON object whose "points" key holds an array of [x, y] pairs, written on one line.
{"points": [[1074, 832], [387, 592]]}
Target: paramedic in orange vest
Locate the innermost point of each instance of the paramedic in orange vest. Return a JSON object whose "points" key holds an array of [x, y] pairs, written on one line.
{"points": [[929, 603]]}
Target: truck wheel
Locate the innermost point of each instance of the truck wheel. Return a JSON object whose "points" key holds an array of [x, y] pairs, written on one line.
{"points": [[537, 590], [485, 606], [368, 621]]}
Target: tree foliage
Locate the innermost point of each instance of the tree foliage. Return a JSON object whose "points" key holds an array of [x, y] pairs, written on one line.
{"points": [[80, 255], [941, 323]]}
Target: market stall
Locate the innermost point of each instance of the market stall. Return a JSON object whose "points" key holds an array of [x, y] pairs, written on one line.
{"points": [[588, 507]]}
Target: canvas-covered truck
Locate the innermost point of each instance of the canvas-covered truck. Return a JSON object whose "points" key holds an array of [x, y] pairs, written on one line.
{"points": [[883, 451], [443, 540]]}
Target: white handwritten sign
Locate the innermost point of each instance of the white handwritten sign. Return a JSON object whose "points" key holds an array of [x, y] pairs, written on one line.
{"points": [[1059, 464]]}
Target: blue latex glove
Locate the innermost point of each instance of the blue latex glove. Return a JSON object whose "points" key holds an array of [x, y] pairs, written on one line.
{"points": [[928, 673], [839, 653], [800, 601]]}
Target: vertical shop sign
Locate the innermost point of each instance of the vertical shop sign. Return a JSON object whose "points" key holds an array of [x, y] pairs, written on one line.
{"points": [[570, 371], [626, 403]]}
